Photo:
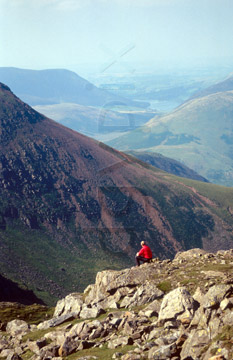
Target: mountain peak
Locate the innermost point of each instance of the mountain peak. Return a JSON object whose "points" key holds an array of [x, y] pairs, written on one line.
{"points": [[4, 87], [14, 114]]}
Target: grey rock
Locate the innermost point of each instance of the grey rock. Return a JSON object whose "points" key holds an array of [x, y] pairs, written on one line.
{"points": [[4, 343], [143, 295], [80, 330], [36, 346], [55, 321], [151, 310], [68, 347], [6, 352], [132, 357], [92, 312], [226, 304], [13, 356], [198, 295], [177, 304], [17, 327], [57, 337], [162, 353], [215, 295], [72, 303], [190, 254], [120, 341], [49, 351]]}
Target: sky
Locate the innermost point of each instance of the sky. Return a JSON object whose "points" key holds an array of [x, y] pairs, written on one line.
{"points": [[39, 34]]}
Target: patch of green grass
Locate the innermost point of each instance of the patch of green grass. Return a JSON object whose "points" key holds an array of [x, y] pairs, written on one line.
{"points": [[226, 334], [101, 353], [32, 314], [54, 269], [217, 267], [35, 335], [165, 286], [27, 355], [189, 281]]}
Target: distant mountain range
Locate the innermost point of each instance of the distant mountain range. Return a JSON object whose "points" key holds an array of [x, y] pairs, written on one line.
{"points": [[222, 86], [55, 86], [198, 133], [71, 206]]}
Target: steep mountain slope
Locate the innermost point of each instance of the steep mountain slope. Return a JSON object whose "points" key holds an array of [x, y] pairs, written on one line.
{"points": [[167, 164], [55, 86], [199, 133], [71, 206]]}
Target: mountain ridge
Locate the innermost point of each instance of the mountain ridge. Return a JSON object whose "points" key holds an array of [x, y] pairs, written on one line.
{"points": [[54, 86], [221, 86]]}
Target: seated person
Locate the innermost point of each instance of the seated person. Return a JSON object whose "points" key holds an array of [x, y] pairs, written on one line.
{"points": [[144, 255]]}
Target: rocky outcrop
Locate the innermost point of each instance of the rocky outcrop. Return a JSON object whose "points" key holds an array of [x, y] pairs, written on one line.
{"points": [[157, 313]]}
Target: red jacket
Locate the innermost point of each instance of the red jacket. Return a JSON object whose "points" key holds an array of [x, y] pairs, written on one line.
{"points": [[145, 252]]}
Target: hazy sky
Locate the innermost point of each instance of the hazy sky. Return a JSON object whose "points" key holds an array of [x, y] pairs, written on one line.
{"points": [[41, 34]]}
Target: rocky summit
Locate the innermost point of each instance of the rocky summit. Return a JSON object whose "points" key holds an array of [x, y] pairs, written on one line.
{"points": [[180, 309]]}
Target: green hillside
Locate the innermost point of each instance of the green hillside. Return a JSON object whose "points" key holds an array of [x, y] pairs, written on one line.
{"points": [[199, 133]]}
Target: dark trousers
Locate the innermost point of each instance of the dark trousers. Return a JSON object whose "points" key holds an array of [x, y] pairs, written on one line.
{"points": [[142, 259]]}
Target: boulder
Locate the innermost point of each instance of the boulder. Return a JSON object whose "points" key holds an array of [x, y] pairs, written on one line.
{"points": [[72, 303], [49, 351], [17, 327], [80, 330], [6, 352], [91, 312], [164, 352], [152, 309], [190, 254], [57, 337], [36, 346], [176, 305], [144, 294], [120, 341], [215, 295], [68, 347], [55, 321]]}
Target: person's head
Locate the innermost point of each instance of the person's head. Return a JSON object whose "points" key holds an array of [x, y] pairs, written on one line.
{"points": [[143, 243]]}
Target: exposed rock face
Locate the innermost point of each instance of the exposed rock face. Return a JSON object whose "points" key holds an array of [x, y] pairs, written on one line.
{"points": [[185, 323]]}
